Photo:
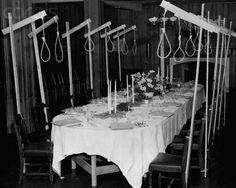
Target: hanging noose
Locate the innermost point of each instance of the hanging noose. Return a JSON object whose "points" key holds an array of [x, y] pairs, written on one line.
{"points": [[179, 49], [109, 41], [44, 45], [134, 47], [190, 43], [163, 36], [86, 45], [196, 40], [124, 46], [58, 42], [208, 43]]}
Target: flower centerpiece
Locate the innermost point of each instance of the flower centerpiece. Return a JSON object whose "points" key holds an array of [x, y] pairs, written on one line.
{"points": [[149, 84]]}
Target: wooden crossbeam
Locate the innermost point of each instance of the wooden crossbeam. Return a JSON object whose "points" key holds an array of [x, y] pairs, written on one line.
{"points": [[44, 26], [25, 22], [107, 24], [124, 32], [113, 30], [189, 17], [76, 28], [223, 29]]}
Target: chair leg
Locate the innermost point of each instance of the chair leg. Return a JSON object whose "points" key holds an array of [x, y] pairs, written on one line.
{"points": [[150, 179], [200, 160], [51, 176], [21, 170], [159, 179], [50, 171]]}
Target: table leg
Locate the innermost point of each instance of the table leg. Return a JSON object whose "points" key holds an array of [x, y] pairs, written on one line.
{"points": [[93, 172], [73, 165]]}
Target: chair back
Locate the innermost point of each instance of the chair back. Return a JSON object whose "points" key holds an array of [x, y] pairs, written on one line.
{"points": [[202, 133], [20, 132]]}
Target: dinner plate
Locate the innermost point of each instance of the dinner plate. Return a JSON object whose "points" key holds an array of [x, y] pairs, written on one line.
{"points": [[68, 122]]}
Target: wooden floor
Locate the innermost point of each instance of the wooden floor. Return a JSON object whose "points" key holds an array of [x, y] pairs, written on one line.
{"points": [[221, 173]]}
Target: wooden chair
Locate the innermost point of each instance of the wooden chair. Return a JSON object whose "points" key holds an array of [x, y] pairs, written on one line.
{"points": [[171, 166], [34, 156], [177, 146], [197, 125], [43, 128]]}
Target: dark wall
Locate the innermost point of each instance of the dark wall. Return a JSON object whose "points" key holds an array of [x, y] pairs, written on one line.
{"points": [[3, 127], [55, 73]]}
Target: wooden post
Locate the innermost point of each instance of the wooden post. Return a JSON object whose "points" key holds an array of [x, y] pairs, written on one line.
{"points": [[162, 65], [207, 92], [90, 57], [67, 35], [93, 10], [15, 71], [39, 70], [118, 42], [218, 84], [119, 61], [194, 98], [70, 64], [106, 56], [89, 34], [37, 58], [214, 84], [223, 82]]}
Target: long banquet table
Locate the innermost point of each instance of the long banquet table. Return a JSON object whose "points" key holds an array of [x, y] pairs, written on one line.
{"points": [[132, 139]]}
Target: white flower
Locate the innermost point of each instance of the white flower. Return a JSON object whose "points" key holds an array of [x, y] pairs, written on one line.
{"points": [[150, 85], [142, 80], [149, 80], [143, 88]]}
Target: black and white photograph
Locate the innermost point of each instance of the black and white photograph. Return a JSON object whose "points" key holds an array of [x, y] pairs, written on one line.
{"points": [[117, 93]]}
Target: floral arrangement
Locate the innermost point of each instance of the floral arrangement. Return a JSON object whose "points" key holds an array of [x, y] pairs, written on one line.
{"points": [[149, 84]]}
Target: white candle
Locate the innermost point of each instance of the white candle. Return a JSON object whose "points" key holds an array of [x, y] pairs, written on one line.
{"points": [[167, 78], [115, 98], [132, 88], [158, 74], [110, 96], [127, 88]]}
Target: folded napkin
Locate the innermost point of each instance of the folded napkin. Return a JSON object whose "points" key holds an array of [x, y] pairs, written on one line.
{"points": [[161, 113], [172, 104], [188, 93], [68, 122], [115, 125]]}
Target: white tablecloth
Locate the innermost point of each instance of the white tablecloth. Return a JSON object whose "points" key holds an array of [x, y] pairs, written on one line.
{"points": [[131, 149]]}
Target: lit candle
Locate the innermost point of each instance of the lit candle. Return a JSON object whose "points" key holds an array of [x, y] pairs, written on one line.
{"points": [[115, 98], [127, 88], [132, 88]]}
